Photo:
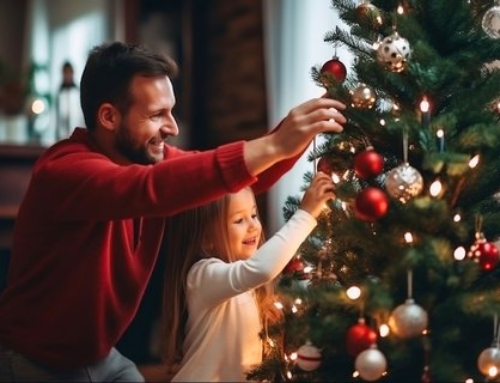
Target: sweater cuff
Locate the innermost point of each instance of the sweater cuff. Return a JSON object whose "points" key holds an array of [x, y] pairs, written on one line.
{"points": [[231, 162]]}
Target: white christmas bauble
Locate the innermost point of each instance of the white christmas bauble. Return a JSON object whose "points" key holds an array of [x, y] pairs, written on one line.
{"points": [[371, 364], [489, 361], [404, 182], [491, 22], [394, 52], [308, 357], [408, 320]]}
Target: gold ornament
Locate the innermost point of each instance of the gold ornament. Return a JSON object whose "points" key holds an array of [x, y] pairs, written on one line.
{"points": [[363, 97], [366, 11]]}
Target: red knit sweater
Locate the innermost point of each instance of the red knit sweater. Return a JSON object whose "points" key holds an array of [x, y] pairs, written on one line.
{"points": [[79, 264]]}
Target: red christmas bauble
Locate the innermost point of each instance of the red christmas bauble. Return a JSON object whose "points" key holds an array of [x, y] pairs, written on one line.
{"points": [[296, 265], [336, 68], [359, 338], [371, 204], [488, 255], [368, 164], [324, 165]]}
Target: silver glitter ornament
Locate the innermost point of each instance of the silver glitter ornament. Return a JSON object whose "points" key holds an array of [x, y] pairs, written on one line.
{"points": [[408, 320], [371, 364], [404, 183]]}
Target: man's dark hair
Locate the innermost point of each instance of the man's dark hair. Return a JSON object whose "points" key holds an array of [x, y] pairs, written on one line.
{"points": [[109, 71]]}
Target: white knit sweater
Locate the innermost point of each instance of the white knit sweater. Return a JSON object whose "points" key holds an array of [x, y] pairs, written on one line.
{"points": [[222, 341]]}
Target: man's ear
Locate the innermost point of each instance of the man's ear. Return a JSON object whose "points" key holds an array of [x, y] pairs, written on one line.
{"points": [[108, 117]]}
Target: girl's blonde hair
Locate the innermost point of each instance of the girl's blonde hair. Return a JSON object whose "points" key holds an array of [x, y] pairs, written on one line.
{"points": [[191, 235]]}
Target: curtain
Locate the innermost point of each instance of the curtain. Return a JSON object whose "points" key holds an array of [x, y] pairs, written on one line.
{"points": [[294, 32]]}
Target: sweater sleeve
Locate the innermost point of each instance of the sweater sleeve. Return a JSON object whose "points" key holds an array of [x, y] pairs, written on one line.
{"points": [[211, 280], [270, 176], [76, 183]]}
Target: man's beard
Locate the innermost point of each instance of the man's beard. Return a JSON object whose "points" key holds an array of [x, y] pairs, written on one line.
{"points": [[137, 155]]}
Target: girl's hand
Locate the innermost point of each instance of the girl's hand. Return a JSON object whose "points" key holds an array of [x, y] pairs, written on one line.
{"points": [[317, 194]]}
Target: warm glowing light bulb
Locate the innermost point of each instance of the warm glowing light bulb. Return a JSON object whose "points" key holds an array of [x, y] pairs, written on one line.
{"points": [[400, 10], [408, 237], [440, 133], [278, 305], [474, 161], [435, 188], [293, 356], [382, 122], [492, 371], [384, 330], [294, 309], [38, 106], [459, 253], [424, 105], [298, 301], [353, 292], [457, 218]]}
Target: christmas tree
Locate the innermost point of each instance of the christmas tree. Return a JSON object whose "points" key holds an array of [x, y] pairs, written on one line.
{"points": [[399, 281]]}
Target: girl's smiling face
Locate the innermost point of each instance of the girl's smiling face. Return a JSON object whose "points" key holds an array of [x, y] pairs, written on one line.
{"points": [[243, 225]]}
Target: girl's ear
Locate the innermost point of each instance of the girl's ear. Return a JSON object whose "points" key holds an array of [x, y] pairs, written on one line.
{"points": [[108, 117]]}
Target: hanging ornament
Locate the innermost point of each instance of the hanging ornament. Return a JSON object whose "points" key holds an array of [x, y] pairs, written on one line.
{"points": [[408, 320], [371, 364], [426, 375], [360, 337], [368, 164], [366, 11], [394, 52], [324, 165], [296, 268], [404, 183], [363, 97], [333, 69], [371, 204], [308, 357], [491, 21], [484, 252], [489, 360]]}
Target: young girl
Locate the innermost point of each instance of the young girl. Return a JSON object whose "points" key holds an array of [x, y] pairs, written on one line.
{"points": [[218, 281]]}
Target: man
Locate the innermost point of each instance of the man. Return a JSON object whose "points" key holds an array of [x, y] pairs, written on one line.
{"points": [[89, 229]]}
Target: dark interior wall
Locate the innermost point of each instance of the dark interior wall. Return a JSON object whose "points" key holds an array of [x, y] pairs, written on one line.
{"points": [[231, 69], [14, 19]]}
